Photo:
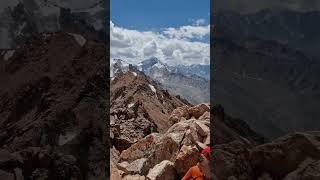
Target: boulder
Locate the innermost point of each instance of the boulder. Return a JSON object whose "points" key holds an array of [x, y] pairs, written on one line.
{"points": [[232, 160], [123, 166], [207, 140], [165, 150], [202, 129], [134, 177], [178, 113], [205, 116], [265, 176], [114, 154], [18, 174], [6, 175], [41, 174], [307, 170], [138, 166], [114, 172], [186, 158], [7, 159], [198, 110], [164, 170], [140, 149], [285, 154]]}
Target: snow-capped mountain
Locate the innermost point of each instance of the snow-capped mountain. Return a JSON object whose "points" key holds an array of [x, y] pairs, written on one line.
{"points": [[182, 80], [118, 66], [154, 68], [195, 69]]}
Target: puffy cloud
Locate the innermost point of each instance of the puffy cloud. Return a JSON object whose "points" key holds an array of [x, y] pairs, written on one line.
{"points": [[181, 45], [199, 22], [188, 32]]}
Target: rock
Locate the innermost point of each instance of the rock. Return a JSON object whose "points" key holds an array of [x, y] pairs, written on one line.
{"points": [[122, 143], [198, 110], [232, 178], [193, 135], [7, 159], [164, 170], [41, 174], [265, 176], [114, 172], [133, 177], [141, 149], [6, 175], [165, 150], [138, 166], [307, 170], [231, 160], [180, 127], [177, 137], [123, 166], [200, 145], [207, 140], [285, 154], [202, 129], [205, 116], [186, 158], [18, 174], [114, 154], [178, 113]]}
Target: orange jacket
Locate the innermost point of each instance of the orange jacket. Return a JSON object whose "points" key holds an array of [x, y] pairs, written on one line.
{"points": [[194, 173]]}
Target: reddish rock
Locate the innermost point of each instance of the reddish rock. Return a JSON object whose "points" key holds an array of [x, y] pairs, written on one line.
{"points": [[186, 158], [198, 110]]}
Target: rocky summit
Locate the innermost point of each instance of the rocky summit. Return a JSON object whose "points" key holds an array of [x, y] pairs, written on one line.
{"points": [[53, 111], [154, 134]]}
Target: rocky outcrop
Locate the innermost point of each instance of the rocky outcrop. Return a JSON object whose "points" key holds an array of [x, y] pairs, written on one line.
{"points": [[139, 107], [186, 158], [241, 156], [163, 170], [170, 154]]}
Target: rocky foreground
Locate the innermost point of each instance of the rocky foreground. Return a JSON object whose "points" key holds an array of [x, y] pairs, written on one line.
{"points": [[154, 134], [167, 155], [241, 155]]}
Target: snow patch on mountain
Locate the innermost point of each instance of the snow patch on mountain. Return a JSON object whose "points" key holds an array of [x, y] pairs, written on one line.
{"points": [[134, 73], [153, 89], [80, 39], [8, 55]]}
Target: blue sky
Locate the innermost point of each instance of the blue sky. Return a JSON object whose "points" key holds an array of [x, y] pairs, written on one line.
{"points": [[174, 31], [155, 14]]}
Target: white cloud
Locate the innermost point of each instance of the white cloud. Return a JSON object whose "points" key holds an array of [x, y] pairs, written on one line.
{"points": [[200, 22], [181, 45]]}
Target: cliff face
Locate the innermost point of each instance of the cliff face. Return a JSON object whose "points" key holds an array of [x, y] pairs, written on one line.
{"points": [[52, 116]]}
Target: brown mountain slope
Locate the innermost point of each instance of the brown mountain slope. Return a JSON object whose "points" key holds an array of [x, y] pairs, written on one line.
{"points": [[139, 107], [53, 108]]}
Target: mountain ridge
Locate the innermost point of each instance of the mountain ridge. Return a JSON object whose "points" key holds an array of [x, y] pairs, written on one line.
{"points": [[191, 87]]}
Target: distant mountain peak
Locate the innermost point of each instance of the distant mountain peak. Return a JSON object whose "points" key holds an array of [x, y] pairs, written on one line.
{"points": [[150, 63]]}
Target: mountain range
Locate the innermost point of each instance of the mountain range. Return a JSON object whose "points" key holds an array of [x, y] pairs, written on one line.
{"points": [[21, 19], [266, 69], [191, 82], [156, 135]]}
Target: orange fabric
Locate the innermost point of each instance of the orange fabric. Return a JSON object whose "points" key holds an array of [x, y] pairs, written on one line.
{"points": [[194, 173]]}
